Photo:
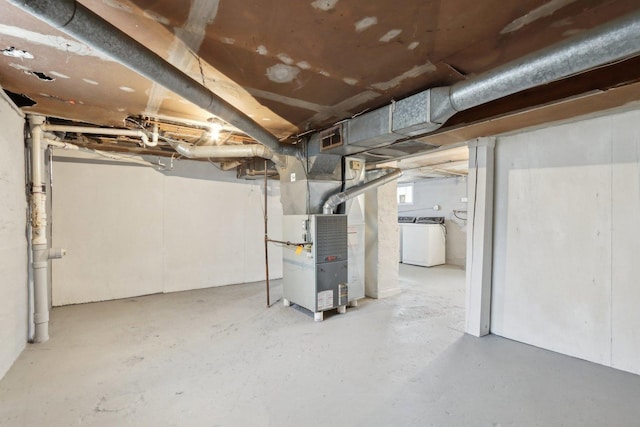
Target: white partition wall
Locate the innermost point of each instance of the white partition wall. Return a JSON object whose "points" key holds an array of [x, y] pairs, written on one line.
{"points": [[13, 237], [566, 239], [130, 230]]}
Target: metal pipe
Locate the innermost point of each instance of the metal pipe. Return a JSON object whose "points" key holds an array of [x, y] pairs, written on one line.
{"points": [[81, 23], [100, 131], [227, 151], [73, 147], [614, 41], [40, 250], [266, 235], [339, 198]]}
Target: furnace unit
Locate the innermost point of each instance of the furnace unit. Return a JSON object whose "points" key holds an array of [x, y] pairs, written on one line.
{"points": [[316, 269]]}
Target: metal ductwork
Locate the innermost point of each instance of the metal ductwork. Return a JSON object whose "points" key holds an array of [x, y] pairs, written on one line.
{"points": [[614, 41], [79, 22], [332, 202], [429, 110]]}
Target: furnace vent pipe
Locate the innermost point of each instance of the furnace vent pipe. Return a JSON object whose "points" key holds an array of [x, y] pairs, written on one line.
{"points": [[614, 41], [333, 201], [79, 22]]}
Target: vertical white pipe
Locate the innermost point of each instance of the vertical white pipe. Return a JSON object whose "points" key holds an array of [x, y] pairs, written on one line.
{"points": [[39, 232]]}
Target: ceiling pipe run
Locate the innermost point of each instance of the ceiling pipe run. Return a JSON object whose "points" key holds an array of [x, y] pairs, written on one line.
{"points": [[127, 159], [79, 22], [102, 131], [332, 202], [226, 151], [611, 42]]}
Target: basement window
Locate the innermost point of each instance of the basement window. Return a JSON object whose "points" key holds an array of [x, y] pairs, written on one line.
{"points": [[405, 194]]}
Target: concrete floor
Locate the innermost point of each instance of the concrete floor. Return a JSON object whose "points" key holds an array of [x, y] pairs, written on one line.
{"points": [[218, 357]]}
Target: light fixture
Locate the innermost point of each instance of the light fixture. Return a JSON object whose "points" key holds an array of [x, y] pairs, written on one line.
{"points": [[214, 130]]}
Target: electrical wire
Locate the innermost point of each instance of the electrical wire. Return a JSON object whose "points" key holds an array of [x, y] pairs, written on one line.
{"points": [[456, 212]]}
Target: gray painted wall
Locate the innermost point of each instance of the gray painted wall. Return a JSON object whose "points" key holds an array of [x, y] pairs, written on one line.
{"points": [[567, 239], [13, 241], [131, 230], [447, 193]]}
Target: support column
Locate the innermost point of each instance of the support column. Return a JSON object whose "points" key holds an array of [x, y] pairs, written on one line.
{"points": [[381, 241], [479, 236]]}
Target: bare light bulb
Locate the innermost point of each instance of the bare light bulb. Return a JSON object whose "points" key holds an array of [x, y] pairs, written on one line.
{"points": [[214, 131]]}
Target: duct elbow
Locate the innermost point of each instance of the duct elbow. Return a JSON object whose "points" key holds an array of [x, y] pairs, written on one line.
{"points": [[184, 150], [333, 201], [262, 151], [441, 105]]}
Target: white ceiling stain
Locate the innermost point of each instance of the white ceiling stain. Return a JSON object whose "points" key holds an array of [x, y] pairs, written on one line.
{"points": [[350, 81], [325, 5], [127, 89], [324, 73], [156, 17], [413, 45], [412, 73], [117, 5], [60, 75], [262, 50], [56, 42], [91, 82], [286, 100], [12, 52], [390, 35], [562, 23], [573, 32], [282, 73], [188, 39], [346, 107], [285, 58], [19, 67], [228, 40], [322, 111], [365, 23], [303, 65], [540, 12]]}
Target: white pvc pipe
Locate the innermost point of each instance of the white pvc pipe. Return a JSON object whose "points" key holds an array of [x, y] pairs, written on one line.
{"points": [[40, 258], [101, 131], [154, 135]]}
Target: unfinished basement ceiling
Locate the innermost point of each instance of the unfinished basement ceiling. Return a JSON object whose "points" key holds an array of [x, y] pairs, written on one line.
{"points": [[298, 65]]}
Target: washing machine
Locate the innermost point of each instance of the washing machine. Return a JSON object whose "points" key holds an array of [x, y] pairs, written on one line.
{"points": [[401, 221], [424, 242]]}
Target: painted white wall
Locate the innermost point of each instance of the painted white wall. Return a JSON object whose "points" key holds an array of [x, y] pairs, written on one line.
{"points": [[130, 230], [567, 239], [447, 193], [13, 241]]}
